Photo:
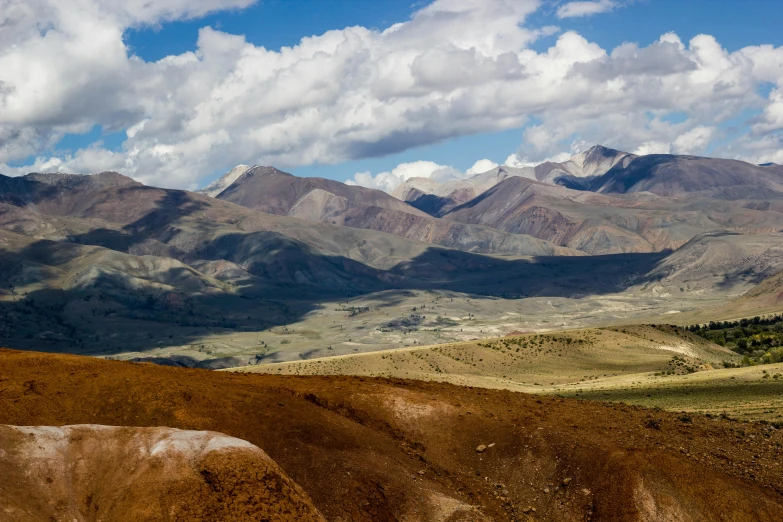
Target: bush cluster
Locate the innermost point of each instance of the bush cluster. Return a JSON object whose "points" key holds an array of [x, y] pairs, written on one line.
{"points": [[759, 340]]}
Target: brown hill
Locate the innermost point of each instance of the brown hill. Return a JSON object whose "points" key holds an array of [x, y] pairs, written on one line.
{"points": [[731, 262], [383, 450], [273, 191], [764, 298], [110, 473]]}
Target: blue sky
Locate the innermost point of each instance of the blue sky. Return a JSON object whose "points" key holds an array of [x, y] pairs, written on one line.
{"points": [[536, 131]]}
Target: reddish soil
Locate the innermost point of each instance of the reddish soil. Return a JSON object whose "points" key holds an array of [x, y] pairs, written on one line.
{"points": [[375, 449]]}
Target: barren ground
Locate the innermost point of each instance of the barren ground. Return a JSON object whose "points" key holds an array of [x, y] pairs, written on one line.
{"points": [[388, 449]]}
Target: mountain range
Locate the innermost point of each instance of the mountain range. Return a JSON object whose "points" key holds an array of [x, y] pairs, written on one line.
{"points": [[86, 256]]}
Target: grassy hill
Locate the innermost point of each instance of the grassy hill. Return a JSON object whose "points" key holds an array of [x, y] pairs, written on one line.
{"points": [[531, 362]]}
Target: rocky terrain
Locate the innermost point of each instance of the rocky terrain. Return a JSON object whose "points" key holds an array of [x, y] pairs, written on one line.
{"points": [[370, 449]]}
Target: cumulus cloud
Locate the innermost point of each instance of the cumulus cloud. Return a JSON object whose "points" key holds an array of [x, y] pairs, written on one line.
{"points": [[388, 181], [517, 161], [480, 166], [456, 67], [585, 8], [653, 147]]}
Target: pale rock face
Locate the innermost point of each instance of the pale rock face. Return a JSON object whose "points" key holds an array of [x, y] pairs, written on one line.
{"points": [[94, 472], [222, 183], [320, 205]]}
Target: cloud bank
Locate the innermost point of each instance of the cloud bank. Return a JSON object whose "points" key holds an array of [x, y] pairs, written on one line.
{"points": [[457, 67]]}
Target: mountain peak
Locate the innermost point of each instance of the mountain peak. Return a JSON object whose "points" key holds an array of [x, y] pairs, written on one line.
{"points": [[264, 170], [240, 171], [222, 183]]}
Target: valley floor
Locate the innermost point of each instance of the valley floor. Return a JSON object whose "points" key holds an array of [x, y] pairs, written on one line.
{"points": [[399, 319]]}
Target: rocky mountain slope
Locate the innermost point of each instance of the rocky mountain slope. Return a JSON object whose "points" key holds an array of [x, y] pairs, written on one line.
{"points": [[223, 182], [371, 449]]}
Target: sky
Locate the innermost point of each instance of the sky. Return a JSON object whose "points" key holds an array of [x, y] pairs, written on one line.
{"points": [[175, 93]]}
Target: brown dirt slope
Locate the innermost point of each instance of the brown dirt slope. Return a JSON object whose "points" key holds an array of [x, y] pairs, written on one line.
{"points": [[108, 473], [375, 449]]}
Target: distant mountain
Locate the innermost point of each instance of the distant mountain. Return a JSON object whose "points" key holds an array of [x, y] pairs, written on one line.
{"points": [[688, 176], [438, 199], [611, 223], [595, 161], [101, 263], [605, 170], [272, 191], [93, 264]]}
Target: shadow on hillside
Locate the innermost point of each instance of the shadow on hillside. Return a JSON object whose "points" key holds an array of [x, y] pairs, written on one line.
{"points": [[98, 304]]}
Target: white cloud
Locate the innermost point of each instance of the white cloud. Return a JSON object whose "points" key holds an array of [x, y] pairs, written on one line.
{"points": [[516, 161], [456, 68], [653, 147], [388, 181], [694, 141], [480, 166], [585, 8]]}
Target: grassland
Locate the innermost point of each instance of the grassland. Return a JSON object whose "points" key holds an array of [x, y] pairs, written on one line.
{"points": [[654, 366], [533, 362], [749, 393]]}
